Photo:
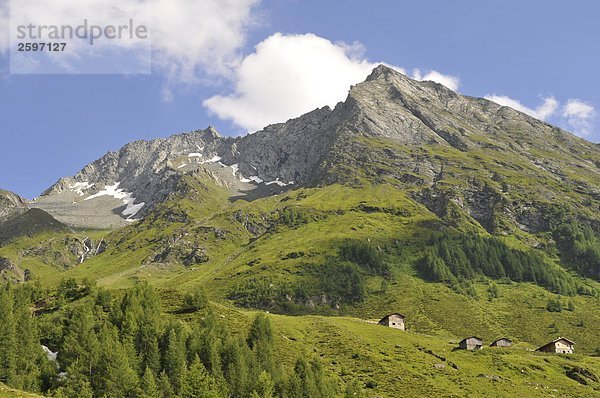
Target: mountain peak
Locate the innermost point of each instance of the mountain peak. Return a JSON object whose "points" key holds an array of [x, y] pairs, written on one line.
{"points": [[382, 71]]}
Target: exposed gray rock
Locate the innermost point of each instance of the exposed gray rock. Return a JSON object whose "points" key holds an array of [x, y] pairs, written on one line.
{"points": [[390, 129], [11, 272], [11, 204]]}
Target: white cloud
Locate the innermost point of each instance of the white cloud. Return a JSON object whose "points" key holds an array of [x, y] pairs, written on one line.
{"points": [[579, 115], [577, 108], [543, 112], [289, 75], [4, 26], [190, 38], [193, 37], [452, 82]]}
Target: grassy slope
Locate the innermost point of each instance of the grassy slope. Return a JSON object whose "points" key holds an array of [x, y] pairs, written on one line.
{"points": [[388, 360], [395, 361], [437, 316], [518, 313], [6, 392]]}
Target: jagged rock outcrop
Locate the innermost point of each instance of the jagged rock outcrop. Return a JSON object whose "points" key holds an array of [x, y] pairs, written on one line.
{"points": [[11, 204], [11, 272]]}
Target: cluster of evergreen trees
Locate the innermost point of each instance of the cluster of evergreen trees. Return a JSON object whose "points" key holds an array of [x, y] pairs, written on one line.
{"points": [[580, 247], [123, 345], [322, 287], [337, 280], [365, 255], [23, 363], [453, 260]]}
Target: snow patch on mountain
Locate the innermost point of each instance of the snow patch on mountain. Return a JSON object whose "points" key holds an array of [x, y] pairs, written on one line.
{"points": [[80, 187], [214, 159], [128, 199], [253, 178], [280, 183]]}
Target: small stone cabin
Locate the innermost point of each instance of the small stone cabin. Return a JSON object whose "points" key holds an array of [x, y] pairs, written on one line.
{"points": [[471, 343], [558, 346], [393, 321], [503, 342]]}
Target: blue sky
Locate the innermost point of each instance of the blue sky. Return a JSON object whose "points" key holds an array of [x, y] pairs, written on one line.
{"points": [[543, 56]]}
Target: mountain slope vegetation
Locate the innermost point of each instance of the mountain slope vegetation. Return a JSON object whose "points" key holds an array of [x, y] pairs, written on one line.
{"points": [[467, 217]]}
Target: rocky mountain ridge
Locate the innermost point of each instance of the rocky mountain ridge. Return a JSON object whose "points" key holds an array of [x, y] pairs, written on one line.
{"points": [[390, 129]]}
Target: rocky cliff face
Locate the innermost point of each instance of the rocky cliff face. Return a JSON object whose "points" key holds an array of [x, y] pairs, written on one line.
{"points": [[448, 150], [11, 204]]}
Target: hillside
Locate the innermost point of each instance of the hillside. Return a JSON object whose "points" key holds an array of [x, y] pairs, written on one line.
{"points": [[6, 392], [468, 217], [29, 223]]}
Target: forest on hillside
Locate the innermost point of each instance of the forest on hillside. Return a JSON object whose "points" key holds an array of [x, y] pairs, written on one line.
{"points": [[122, 344]]}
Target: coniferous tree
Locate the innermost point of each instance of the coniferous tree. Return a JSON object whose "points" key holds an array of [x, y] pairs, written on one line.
{"points": [[198, 383], [8, 341], [115, 376], [75, 385], [260, 340], [197, 300], [265, 386], [80, 346], [164, 386], [238, 367], [29, 354], [174, 358], [148, 385]]}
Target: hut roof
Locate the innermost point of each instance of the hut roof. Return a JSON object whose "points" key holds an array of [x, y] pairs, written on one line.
{"points": [[395, 313], [472, 337], [556, 341]]}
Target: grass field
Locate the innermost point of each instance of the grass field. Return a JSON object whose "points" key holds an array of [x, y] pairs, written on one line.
{"points": [[254, 240]]}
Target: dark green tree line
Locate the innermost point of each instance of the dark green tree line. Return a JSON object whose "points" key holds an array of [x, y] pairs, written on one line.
{"points": [[464, 258]]}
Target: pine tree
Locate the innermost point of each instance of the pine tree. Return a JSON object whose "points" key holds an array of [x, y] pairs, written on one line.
{"points": [[80, 346], [554, 305], [260, 340], [164, 386], [196, 301], [8, 341], [265, 387], [148, 347], [148, 386], [175, 362], [198, 383], [75, 386], [115, 376], [29, 354], [237, 359]]}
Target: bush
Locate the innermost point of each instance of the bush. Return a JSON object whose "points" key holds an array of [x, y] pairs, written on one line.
{"points": [[554, 305], [196, 300]]}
